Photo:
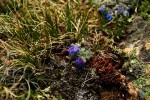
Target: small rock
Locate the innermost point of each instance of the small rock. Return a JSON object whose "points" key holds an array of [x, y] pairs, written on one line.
{"points": [[148, 98], [147, 46], [147, 71], [128, 50], [141, 95], [132, 90]]}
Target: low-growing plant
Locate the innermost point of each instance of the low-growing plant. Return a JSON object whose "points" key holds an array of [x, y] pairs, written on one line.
{"points": [[81, 55], [144, 8], [107, 64], [114, 22], [143, 82]]}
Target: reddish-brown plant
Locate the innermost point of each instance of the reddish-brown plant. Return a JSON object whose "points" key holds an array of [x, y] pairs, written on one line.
{"points": [[107, 65]]}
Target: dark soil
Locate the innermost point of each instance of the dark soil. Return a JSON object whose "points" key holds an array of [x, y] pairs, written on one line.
{"points": [[75, 84]]}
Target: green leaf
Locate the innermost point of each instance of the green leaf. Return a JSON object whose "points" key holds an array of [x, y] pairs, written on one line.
{"points": [[59, 97]]}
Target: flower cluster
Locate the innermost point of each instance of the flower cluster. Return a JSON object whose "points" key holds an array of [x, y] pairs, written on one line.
{"points": [[122, 10], [114, 18], [73, 49], [108, 16], [80, 62], [81, 55], [117, 10]]}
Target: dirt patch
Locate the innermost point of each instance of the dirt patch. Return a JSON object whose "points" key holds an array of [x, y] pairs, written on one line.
{"points": [[71, 83]]}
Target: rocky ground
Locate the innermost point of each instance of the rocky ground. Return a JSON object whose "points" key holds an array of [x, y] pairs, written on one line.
{"points": [[86, 86], [138, 41], [72, 83]]}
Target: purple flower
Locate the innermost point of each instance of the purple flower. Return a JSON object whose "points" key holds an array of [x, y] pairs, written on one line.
{"points": [[73, 49], [126, 13], [120, 8], [101, 10], [80, 62], [108, 17]]}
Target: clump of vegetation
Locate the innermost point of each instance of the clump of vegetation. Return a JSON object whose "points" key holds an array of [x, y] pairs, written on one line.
{"points": [[143, 82], [108, 64], [113, 17], [144, 8]]}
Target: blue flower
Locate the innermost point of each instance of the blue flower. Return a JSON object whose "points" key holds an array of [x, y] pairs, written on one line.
{"points": [[120, 8], [126, 13], [108, 17], [73, 49], [101, 10], [80, 62]]}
